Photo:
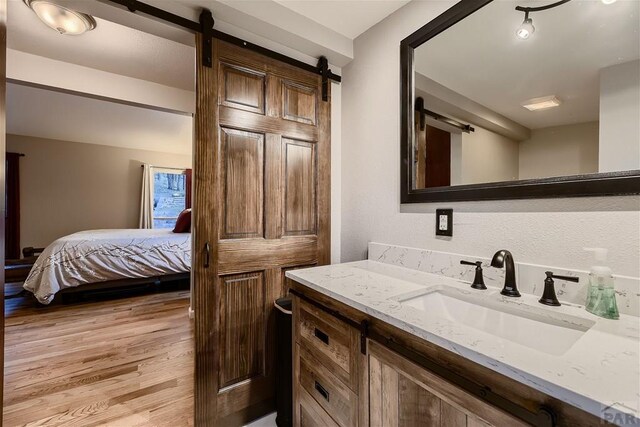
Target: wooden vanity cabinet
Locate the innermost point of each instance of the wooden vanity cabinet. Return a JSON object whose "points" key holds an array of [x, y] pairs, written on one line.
{"points": [[336, 384], [329, 382], [402, 393]]}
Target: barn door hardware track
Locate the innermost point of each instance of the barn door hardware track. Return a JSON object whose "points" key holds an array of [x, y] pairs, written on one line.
{"points": [[419, 107], [205, 27]]}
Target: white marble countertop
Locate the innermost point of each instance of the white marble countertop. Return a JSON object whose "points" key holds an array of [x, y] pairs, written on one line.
{"points": [[599, 373]]}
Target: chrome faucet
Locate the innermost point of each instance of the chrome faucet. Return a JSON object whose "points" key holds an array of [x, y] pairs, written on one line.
{"points": [[499, 260]]}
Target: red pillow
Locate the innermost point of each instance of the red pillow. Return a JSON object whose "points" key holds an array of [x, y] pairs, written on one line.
{"points": [[183, 223]]}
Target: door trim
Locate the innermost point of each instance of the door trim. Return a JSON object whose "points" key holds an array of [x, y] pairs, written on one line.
{"points": [[3, 149]]}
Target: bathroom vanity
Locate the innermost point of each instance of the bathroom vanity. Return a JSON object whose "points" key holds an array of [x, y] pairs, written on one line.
{"points": [[378, 344], [410, 337]]}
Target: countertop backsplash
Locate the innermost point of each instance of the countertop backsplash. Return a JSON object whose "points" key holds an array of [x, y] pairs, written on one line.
{"points": [[530, 277]]}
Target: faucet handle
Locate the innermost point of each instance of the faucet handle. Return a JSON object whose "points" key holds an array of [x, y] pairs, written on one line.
{"points": [[552, 275], [476, 263], [478, 280], [549, 294]]}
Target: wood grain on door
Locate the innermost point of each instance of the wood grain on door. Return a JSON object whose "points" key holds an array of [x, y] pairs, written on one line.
{"points": [[261, 203]]}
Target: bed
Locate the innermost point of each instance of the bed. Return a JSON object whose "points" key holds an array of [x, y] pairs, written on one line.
{"points": [[95, 257]]}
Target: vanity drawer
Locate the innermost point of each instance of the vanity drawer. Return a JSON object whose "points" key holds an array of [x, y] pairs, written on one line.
{"points": [[330, 340], [326, 389], [311, 413]]}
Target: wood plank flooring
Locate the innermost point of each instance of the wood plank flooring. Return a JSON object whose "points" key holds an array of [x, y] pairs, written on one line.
{"points": [[125, 362]]}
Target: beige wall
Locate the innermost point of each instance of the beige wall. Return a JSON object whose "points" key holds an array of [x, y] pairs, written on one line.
{"points": [[67, 187], [483, 156], [560, 151], [619, 113]]}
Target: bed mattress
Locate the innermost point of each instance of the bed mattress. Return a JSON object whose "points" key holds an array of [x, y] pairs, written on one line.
{"points": [[104, 255]]}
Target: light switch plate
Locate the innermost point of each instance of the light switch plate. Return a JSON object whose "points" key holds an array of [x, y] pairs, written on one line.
{"points": [[444, 222]]}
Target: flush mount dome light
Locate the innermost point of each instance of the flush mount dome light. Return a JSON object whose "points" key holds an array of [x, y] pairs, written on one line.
{"points": [[61, 19]]}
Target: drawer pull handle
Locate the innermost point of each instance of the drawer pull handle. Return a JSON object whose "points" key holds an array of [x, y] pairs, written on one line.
{"points": [[323, 392], [321, 336]]}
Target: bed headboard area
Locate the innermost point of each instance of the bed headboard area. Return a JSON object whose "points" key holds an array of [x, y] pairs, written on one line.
{"points": [[67, 187]]}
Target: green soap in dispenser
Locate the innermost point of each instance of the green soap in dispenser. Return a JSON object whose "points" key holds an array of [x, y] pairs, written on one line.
{"points": [[601, 296]]}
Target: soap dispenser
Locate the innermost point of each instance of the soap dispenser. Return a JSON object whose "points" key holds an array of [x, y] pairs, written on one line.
{"points": [[601, 296]]}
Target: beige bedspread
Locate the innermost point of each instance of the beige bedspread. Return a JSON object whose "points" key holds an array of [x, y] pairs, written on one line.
{"points": [[102, 255]]}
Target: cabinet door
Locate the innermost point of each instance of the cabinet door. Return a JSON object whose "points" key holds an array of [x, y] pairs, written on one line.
{"points": [[404, 394]]}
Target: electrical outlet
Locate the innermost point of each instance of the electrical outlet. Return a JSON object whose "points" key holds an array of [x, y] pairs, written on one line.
{"points": [[444, 222]]}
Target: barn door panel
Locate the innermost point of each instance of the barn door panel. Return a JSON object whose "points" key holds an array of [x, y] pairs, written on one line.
{"points": [[262, 208]]}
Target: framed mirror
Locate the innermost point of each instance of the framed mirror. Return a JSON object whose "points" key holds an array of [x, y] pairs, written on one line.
{"points": [[517, 99]]}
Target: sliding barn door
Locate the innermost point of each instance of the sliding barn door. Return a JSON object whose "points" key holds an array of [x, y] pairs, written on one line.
{"points": [[262, 178]]}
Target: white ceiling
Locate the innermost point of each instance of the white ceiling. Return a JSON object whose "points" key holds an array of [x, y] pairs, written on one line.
{"points": [[126, 51], [55, 115], [110, 47], [123, 50], [482, 59], [347, 17], [113, 48]]}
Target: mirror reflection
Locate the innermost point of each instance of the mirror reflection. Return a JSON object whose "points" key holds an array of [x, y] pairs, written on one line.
{"points": [[526, 90]]}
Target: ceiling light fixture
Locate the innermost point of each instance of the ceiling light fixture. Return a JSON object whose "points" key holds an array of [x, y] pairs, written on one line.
{"points": [[609, 1], [61, 19], [541, 103], [526, 29]]}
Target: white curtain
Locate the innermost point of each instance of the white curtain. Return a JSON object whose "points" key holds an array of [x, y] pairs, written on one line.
{"points": [[146, 199]]}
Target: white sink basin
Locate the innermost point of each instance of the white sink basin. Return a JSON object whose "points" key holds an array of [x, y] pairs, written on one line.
{"points": [[537, 329]]}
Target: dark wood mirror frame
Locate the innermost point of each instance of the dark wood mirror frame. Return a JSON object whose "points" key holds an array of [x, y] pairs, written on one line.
{"points": [[597, 184]]}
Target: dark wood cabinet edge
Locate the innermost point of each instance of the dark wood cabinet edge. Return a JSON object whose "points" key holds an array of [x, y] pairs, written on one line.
{"points": [[429, 355], [589, 185]]}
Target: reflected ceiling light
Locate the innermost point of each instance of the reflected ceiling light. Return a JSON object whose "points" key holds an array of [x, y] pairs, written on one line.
{"points": [[541, 103], [608, 1], [526, 29], [61, 19]]}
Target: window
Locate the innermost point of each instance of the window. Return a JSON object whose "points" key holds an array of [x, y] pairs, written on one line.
{"points": [[169, 196]]}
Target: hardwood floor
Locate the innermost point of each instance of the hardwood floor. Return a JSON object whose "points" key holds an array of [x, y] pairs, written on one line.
{"points": [[126, 362]]}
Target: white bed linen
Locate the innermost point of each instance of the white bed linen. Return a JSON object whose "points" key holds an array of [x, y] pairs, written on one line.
{"points": [[101, 255]]}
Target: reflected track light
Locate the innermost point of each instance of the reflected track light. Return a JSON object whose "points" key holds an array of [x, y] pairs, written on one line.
{"points": [[526, 29]]}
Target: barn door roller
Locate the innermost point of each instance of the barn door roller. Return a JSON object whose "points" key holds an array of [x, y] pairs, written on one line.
{"points": [[323, 67], [206, 27]]}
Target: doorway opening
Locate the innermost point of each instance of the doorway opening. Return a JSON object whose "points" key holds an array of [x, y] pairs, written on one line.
{"points": [[97, 299]]}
